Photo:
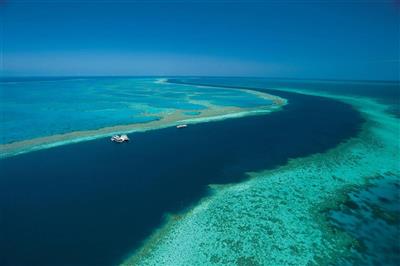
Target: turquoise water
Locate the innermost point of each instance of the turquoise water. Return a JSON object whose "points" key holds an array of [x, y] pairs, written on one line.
{"points": [[292, 215], [33, 108], [387, 92], [371, 214], [191, 113], [94, 202], [315, 183]]}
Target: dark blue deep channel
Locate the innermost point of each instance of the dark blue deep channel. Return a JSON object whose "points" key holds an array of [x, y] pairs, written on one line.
{"points": [[92, 203]]}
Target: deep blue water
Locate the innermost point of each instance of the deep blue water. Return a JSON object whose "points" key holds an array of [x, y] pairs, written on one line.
{"points": [[92, 203], [372, 212]]}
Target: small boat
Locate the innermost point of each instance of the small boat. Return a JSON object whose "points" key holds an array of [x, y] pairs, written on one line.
{"points": [[181, 126], [119, 138]]}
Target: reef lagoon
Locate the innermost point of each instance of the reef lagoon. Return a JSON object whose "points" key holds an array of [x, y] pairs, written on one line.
{"points": [[316, 182], [57, 111]]}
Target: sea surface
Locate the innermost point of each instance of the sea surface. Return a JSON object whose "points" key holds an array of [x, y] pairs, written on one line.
{"points": [[96, 203], [387, 92], [49, 106]]}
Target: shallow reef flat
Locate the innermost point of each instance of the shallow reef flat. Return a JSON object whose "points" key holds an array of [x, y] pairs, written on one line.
{"points": [[170, 118], [146, 104], [371, 214], [279, 216]]}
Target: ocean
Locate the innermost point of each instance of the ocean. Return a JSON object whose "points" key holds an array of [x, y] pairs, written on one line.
{"points": [[98, 203]]}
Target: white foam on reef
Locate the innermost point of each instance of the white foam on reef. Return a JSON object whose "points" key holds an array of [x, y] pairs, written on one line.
{"points": [[224, 116], [276, 217], [161, 81]]}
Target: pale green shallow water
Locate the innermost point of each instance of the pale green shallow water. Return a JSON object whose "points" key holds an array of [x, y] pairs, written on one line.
{"points": [[275, 218]]}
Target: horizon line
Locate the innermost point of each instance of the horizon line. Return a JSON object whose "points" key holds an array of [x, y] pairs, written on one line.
{"points": [[2, 78]]}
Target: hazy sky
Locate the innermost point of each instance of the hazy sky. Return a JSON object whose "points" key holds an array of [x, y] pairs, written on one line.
{"points": [[308, 39]]}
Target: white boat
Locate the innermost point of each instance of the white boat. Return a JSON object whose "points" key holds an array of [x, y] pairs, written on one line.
{"points": [[119, 138], [181, 126]]}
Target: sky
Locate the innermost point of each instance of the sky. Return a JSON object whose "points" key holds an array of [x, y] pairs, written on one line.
{"points": [[356, 40]]}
